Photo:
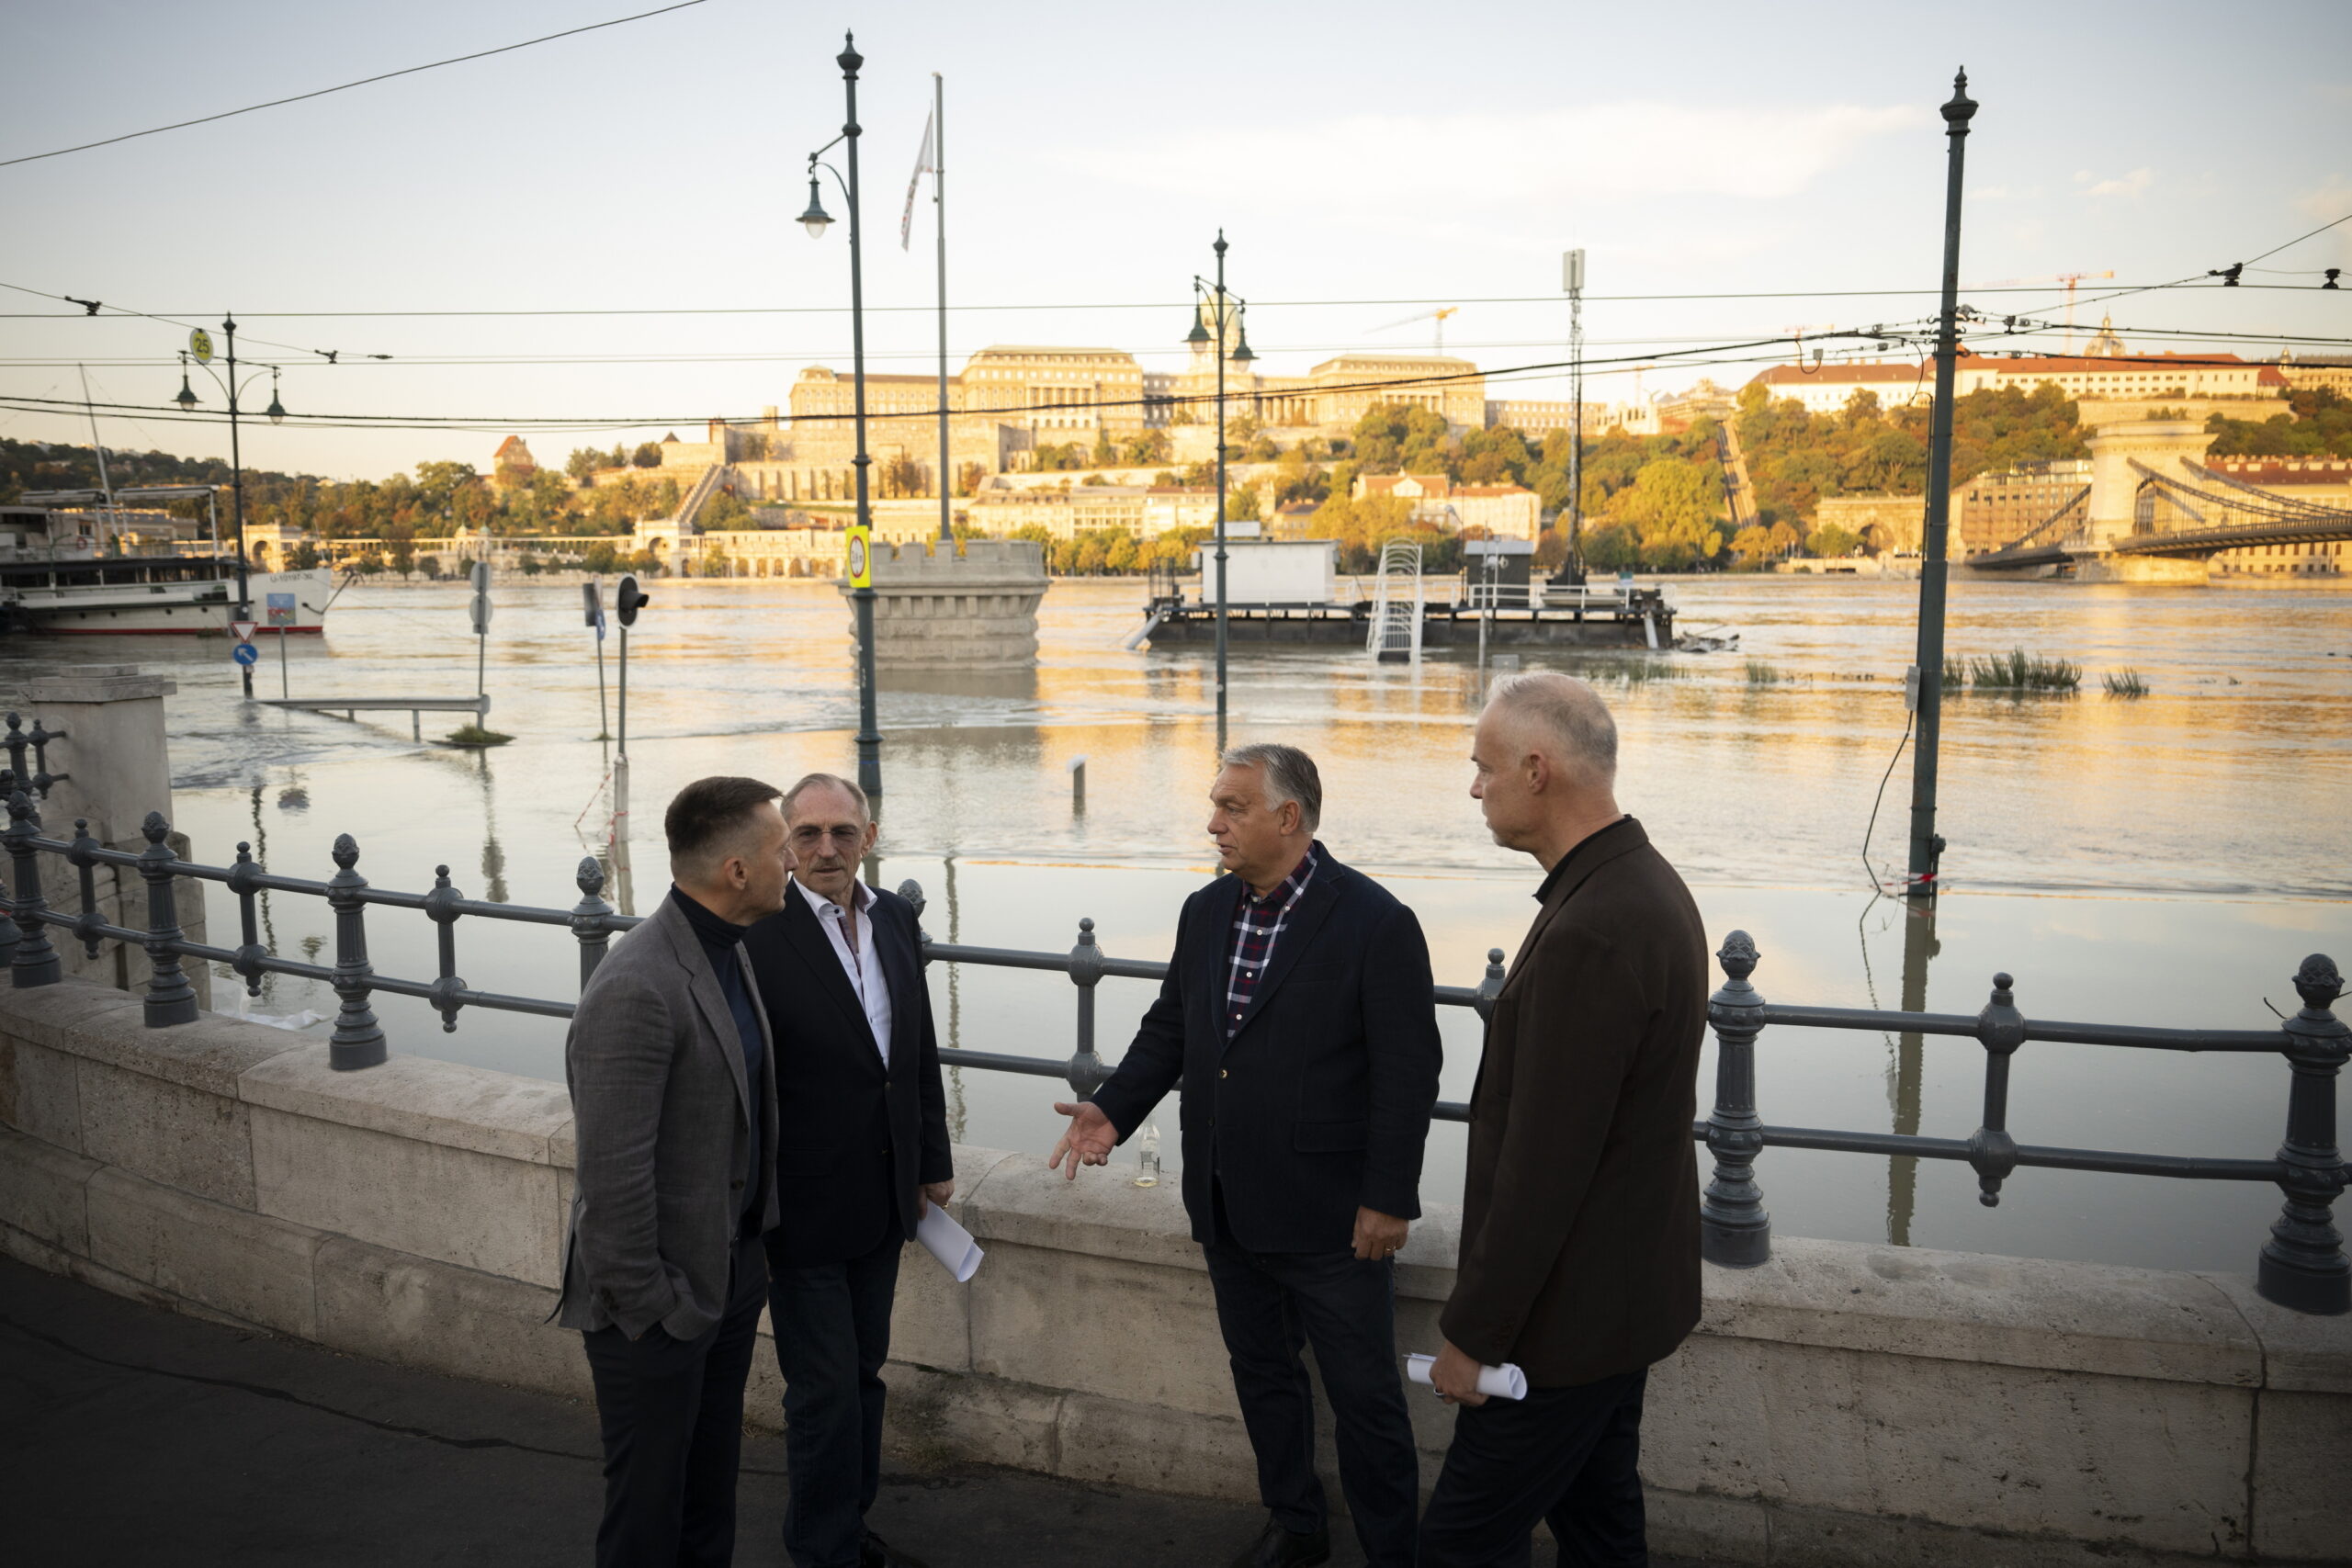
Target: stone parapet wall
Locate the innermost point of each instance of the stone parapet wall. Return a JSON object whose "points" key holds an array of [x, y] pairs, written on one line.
{"points": [[1843, 1405], [936, 609]]}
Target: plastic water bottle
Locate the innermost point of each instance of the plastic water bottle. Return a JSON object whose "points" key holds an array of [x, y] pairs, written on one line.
{"points": [[1147, 1155]]}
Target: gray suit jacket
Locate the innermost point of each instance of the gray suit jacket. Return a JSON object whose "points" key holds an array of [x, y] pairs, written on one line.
{"points": [[661, 1119]]}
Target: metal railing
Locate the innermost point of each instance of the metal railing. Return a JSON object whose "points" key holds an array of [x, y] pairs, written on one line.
{"points": [[2302, 1266]]}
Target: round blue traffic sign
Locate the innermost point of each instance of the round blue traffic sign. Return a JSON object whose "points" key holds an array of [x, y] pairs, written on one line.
{"points": [[245, 653]]}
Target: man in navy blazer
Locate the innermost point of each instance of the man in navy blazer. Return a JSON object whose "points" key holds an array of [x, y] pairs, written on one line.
{"points": [[1298, 1018], [862, 1147]]}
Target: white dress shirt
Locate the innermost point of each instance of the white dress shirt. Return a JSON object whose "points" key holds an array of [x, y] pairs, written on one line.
{"points": [[864, 965]]}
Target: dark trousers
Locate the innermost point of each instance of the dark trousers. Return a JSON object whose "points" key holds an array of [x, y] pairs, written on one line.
{"points": [[672, 1414], [1570, 1457], [832, 1333], [1270, 1305]]}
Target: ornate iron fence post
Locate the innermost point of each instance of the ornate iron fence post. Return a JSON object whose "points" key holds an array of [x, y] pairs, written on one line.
{"points": [[1086, 1070], [1491, 986], [10, 934], [359, 1039], [82, 857], [243, 880], [42, 778], [589, 917], [1734, 1229], [2302, 1265], [15, 743], [2000, 1029], [441, 908], [171, 997], [35, 962]]}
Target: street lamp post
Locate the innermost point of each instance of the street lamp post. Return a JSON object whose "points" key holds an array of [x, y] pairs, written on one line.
{"points": [[870, 735], [1927, 846], [1227, 312], [276, 411]]}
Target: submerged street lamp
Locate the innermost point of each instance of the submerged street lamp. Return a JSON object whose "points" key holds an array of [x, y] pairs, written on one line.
{"points": [[199, 353], [816, 220], [1227, 311]]}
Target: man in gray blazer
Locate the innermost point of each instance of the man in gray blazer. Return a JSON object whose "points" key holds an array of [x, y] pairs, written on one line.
{"points": [[671, 1070]]}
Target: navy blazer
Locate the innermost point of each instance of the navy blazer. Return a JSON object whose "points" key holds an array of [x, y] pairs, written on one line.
{"points": [[854, 1142], [1320, 1104]]}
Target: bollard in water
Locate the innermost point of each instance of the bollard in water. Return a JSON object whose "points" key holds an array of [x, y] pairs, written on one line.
{"points": [[2000, 1029], [2302, 1265], [35, 962], [589, 917], [1086, 1070], [171, 996], [1078, 786], [1734, 1229], [359, 1039]]}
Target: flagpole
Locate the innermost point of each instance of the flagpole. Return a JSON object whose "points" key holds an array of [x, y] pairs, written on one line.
{"points": [[939, 200]]}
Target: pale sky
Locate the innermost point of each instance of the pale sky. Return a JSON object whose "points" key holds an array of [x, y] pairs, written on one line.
{"points": [[1359, 152]]}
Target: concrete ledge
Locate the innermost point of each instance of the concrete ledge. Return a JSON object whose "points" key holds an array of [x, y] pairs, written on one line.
{"points": [[400, 1308], [43, 1191], [1965, 1306], [451, 1205], [188, 1138], [415, 1098], [38, 1092], [253, 1268]]}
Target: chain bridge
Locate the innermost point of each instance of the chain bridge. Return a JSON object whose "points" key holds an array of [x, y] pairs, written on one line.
{"points": [[2154, 513]]}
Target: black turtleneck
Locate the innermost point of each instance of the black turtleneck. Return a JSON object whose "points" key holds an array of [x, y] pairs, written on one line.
{"points": [[720, 940]]}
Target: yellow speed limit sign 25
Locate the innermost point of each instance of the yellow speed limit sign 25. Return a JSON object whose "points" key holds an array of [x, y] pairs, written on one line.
{"points": [[199, 346], [860, 556]]}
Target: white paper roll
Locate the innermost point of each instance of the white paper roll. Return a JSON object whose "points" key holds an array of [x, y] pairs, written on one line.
{"points": [[949, 1242], [1506, 1381]]}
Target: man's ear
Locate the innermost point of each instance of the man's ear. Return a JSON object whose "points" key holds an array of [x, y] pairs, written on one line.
{"points": [[1539, 772]]}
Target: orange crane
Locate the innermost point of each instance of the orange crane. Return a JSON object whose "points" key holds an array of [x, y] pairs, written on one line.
{"points": [[2069, 278], [1437, 316]]}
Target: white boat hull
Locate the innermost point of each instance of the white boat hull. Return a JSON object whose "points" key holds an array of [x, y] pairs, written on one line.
{"points": [[176, 609]]}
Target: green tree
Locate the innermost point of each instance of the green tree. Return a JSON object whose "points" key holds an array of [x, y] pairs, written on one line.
{"points": [[1832, 540], [583, 462], [647, 456]]}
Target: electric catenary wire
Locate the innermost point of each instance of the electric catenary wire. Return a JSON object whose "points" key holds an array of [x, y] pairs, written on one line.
{"points": [[345, 87]]}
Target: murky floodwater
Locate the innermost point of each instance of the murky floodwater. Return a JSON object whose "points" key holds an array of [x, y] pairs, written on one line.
{"points": [[2163, 861]]}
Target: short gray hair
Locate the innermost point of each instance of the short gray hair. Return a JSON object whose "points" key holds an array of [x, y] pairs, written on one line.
{"points": [[834, 781], [1289, 773], [1567, 715]]}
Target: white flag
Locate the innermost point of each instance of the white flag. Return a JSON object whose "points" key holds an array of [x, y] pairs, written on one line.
{"points": [[923, 166]]}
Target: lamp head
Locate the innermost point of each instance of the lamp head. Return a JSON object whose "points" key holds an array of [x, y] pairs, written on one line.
{"points": [[187, 400], [276, 411], [816, 219], [1198, 338], [1241, 355]]}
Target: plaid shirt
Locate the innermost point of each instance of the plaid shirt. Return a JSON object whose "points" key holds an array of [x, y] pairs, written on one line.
{"points": [[1255, 926]]}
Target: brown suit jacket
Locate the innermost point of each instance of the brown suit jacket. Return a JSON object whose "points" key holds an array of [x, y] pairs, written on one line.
{"points": [[1580, 1204]]}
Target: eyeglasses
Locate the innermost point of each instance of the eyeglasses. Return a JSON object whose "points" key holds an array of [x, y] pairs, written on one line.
{"points": [[842, 835]]}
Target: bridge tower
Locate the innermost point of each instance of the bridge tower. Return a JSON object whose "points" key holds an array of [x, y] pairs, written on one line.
{"points": [[2163, 445]]}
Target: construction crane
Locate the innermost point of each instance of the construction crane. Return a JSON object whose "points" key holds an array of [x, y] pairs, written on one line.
{"points": [[1437, 316], [2069, 278]]}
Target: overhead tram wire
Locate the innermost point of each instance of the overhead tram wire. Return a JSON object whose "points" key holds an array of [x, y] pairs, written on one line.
{"points": [[95, 307], [1728, 354], [345, 87]]}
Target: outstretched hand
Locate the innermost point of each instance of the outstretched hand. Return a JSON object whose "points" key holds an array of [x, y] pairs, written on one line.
{"points": [[1088, 1139]]}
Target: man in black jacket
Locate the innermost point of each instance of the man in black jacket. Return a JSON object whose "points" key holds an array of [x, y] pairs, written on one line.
{"points": [[1298, 1018], [862, 1148]]}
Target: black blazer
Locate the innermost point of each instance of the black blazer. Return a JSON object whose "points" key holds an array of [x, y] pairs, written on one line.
{"points": [[854, 1142], [1321, 1103], [1580, 1199]]}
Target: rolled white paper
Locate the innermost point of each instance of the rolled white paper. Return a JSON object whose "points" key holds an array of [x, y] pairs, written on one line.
{"points": [[1506, 1381], [949, 1242]]}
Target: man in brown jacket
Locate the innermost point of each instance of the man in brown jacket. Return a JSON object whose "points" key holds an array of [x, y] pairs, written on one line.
{"points": [[1580, 1203]]}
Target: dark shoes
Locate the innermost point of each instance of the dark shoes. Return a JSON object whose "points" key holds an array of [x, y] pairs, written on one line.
{"points": [[876, 1553], [1280, 1548]]}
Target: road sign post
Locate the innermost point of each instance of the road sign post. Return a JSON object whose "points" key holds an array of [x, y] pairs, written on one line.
{"points": [[480, 610], [593, 605], [627, 599], [281, 616]]}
